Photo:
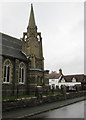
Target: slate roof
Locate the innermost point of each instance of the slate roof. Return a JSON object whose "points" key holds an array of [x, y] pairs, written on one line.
{"points": [[68, 78], [78, 77], [11, 47], [54, 75]]}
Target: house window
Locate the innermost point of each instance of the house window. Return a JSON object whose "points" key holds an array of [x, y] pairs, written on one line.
{"points": [[22, 73], [73, 80], [63, 80], [7, 71]]}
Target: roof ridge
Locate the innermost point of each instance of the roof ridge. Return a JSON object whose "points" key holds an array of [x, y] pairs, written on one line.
{"points": [[9, 36], [74, 75]]}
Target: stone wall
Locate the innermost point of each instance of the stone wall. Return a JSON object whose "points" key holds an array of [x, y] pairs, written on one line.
{"points": [[29, 102], [14, 87], [7, 90]]}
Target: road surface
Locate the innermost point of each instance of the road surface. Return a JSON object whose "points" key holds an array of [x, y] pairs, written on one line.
{"points": [[72, 111]]}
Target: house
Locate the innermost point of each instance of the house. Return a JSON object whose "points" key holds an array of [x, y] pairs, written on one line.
{"points": [[23, 62], [69, 83], [72, 80], [54, 78], [58, 79]]}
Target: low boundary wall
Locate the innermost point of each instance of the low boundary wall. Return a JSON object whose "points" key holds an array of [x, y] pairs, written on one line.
{"points": [[30, 102]]}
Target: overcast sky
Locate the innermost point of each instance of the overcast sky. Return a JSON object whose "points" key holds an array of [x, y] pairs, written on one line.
{"points": [[61, 25]]}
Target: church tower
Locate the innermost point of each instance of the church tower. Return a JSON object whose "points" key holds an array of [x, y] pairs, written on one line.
{"points": [[32, 43], [32, 48]]}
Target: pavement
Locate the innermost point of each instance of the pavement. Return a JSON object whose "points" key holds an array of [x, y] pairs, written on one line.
{"points": [[28, 112]]}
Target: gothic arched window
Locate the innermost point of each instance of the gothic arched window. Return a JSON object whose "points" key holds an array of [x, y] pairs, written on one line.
{"points": [[22, 70], [7, 66]]}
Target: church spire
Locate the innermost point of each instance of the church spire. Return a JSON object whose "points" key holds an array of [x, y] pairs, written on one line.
{"points": [[31, 19]]}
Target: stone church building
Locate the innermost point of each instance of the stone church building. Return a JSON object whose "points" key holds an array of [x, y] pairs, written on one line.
{"points": [[23, 62]]}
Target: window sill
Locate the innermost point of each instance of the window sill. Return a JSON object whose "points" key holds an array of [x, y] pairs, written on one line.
{"points": [[21, 83], [6, 83]]}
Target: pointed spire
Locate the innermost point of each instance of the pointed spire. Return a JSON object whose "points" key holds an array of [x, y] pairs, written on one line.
{"points": [[31, 19]]}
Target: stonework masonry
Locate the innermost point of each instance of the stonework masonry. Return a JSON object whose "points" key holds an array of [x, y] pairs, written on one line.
{"points": [[23, 62]]}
